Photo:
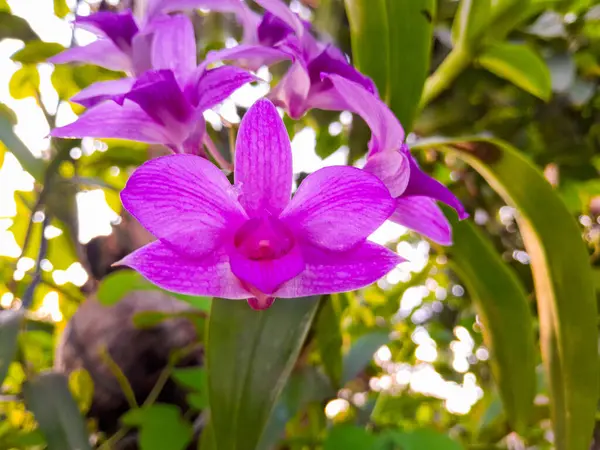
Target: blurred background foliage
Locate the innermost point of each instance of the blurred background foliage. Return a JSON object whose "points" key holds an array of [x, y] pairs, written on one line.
{"points": [[444, 353]]}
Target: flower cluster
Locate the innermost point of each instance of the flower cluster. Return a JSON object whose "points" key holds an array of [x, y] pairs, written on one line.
{"points": [[249, 240]]}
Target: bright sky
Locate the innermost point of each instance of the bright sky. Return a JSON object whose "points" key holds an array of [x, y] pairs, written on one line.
{"points": [[95, 215]]}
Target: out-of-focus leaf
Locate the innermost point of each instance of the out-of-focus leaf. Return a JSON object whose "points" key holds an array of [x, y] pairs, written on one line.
{"points": [[370, 41], [37, 52], [349, 437], [418, 440], [4, 6], [10, 324], [48, 397], [31, 164], [81, 386], [207, 440], [25, 82], [520, 65], [507, 322], [329, 340], [410, 52], [121, 154], [250, 355], [470, 22], [194, 379], [506, 15], [563, 279], [61, 9], [361, 353], [63, 83], [161, 427], [14, 27]]}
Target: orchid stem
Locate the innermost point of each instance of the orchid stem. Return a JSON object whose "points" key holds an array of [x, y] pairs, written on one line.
{"points": [[454, 64], [214, 152]]}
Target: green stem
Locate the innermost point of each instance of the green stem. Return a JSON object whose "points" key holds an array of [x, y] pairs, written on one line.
{"points": [[457, 61]]}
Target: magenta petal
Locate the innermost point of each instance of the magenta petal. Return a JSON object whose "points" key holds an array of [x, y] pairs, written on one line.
{"points": [[170, 270], [118, 27], [338, 207], [292, 91], [102, 90], [387, 133], [424, 216], [283, 12], [185, 201], [421, 184], [391, 167], [266, 275], [102, 53], [215, 85], [263, 161], [251, 56], [174, 46], [109, 120], [331, 272]]}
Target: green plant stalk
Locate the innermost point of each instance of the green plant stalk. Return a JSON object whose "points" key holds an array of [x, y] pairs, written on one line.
{"points": [[454, 64]]}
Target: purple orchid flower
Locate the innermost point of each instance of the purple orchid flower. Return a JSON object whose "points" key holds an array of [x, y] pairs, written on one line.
{"points": [[162, 106], [249, 241], [282, 35], [389, 159]]}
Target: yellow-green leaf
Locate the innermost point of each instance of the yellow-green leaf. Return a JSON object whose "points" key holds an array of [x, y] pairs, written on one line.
{"points": [[25, 82]]}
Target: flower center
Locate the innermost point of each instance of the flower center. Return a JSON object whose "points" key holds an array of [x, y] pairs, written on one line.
{"points": [[264, 238]]}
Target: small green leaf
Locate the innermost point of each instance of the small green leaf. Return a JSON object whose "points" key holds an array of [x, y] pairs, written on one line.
{"points": [[329, 341], [35, 167], [361, 353], [14, 27], [118, 284], [520, 65], [61, 9], [10, 324], [503, 308], [350, 437], [250, 355], [48, 397], [470, 22], [37, 52], [25, 82], [419, 440], [161, 427], [81, 386]]}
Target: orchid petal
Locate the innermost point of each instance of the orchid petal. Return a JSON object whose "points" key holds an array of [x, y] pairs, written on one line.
{"points": [[103, 53], [387, 133], [102, 90], [263, 161], [391, 167], [292, 91], [267, 275], [215, 85], [331, 272], [421, 184], [170, 270], [251, 56], [283, 12], [118, 27], [272, 30], [174, 46], [424, 216], [109, 120], [337, 207], [185, 201]]}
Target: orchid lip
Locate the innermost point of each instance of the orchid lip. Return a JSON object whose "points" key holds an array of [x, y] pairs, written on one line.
{"points": [[263, 239]]}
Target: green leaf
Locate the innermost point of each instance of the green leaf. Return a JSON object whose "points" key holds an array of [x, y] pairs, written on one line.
{"points": [[61, 9], [506, 15], [81, 386], [10, 325], [35, 167], [470, 22], [14, 27], [370, 41], [329, 341], [349, 437], [161, 427], [25, 82], [37, 52], [195, 380], [520, 65], [419, 440], [410, 52], [361, 353], [250, 355], [56, 412], [563, 279], [504, 311]]}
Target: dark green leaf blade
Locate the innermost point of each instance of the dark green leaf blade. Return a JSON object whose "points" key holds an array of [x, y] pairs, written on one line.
{"points": [[503, 308], [14, 27], [10, 324], [54, 408], [362, 352], [161, 427], [249, 356], [329, 341]]}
